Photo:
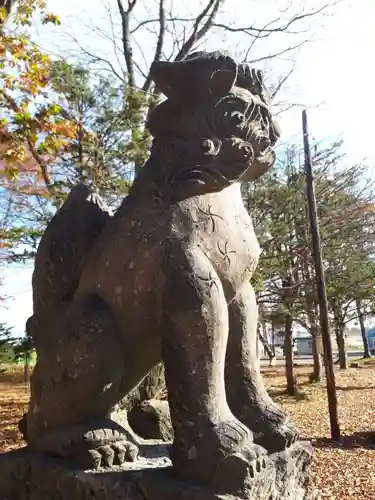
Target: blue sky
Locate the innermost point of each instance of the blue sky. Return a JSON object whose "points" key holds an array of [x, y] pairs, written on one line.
{"points": [[334, 74], [17, 286]]}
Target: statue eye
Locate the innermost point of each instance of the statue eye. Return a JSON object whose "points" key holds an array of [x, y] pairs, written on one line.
{"points": [[207, 145], [238, 117]]}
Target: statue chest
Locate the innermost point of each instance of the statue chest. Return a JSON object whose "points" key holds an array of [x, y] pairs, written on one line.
{"points": [[223, 230], [232, 248]]}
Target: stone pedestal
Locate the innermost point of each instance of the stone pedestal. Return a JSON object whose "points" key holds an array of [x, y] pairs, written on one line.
{"points": [[27, 476]]}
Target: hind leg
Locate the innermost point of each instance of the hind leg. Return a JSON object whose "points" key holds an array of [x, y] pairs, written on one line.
{"points": [[77, 380], [246, 393]]}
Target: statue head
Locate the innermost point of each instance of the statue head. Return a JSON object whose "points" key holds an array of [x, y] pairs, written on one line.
{"points": [[215, 127]]}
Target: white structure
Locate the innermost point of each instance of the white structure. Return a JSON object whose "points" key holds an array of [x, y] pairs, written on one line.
{"points": [[371, 339], [304, 345]]}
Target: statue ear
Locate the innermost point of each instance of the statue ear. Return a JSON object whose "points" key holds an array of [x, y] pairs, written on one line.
{"points": [[196, 78], [221, 82]]}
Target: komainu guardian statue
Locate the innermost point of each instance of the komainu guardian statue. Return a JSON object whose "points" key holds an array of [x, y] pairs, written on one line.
{"points": [[167, 277]]}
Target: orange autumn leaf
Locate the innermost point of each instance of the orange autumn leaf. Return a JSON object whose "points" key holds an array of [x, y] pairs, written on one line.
{"points": [[25, 73]]}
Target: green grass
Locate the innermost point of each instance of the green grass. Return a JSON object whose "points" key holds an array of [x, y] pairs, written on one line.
{"points": [[363, 361]]}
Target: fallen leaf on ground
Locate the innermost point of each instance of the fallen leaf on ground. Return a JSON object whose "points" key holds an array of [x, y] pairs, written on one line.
{"points": [[340, 471]]}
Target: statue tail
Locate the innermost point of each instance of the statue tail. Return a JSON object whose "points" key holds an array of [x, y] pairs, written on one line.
{"points": [[62, 253]]}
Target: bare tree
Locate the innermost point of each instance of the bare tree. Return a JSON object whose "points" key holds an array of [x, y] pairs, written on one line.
{"points": [[131, 36], [126, 36]]}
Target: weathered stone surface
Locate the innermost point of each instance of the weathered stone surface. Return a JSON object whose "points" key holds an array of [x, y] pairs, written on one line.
{"points": [[166, 278], [151, 420], [152, 386], [27, 476]]}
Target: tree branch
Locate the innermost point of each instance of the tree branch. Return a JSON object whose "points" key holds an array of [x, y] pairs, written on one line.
{"points": [[126, 42], [159, 45], [284, 28], [198, 33], [281, 82], [39, 161], [170, 19], [95, 59], [278, 54]]}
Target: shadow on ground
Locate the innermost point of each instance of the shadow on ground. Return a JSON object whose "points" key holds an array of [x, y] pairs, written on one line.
{"points": [[355, 388], [282, 393], [356, 440]]}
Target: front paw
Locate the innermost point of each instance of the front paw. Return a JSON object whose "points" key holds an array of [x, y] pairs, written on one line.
{"points": [[99, 443], [235, 469], [222, 454], [107, 455], [277, 437]]}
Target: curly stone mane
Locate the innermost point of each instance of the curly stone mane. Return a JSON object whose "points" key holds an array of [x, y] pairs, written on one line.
{"points": [[215, 127]]}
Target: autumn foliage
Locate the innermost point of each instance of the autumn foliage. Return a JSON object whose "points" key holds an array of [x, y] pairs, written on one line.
{"points": [[33, 127]]}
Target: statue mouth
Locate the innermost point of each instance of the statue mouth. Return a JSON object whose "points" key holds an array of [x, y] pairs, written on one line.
{"points": [[252, 124], [257, 135], [268, 155], [256, 131], [261, 163], [253, 121]]}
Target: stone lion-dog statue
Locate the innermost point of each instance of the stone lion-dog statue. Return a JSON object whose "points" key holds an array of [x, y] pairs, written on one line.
{"points": [[167, 277]]}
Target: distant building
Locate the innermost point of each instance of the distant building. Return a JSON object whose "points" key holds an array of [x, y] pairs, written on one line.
{"points": [[304, 345], [371, 338]]}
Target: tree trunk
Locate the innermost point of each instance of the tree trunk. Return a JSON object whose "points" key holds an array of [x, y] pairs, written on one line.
{"points": [[267, 348], [366, 348], [340, 335], [316, 375], [291, 381], [26, 368], [341, 345]]}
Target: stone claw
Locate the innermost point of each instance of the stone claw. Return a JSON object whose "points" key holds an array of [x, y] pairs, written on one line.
{"points": [[98, 443], [256, 467], [131, 453], [107, 455], [249, 462], [253, 452]]}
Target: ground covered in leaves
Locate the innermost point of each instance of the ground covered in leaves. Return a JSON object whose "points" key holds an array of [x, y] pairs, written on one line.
{"points": [[341, 471], [14, 394]]}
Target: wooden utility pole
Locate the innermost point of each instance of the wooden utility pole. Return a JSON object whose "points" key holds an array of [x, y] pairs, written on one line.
{"points": [[321, 285]]}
